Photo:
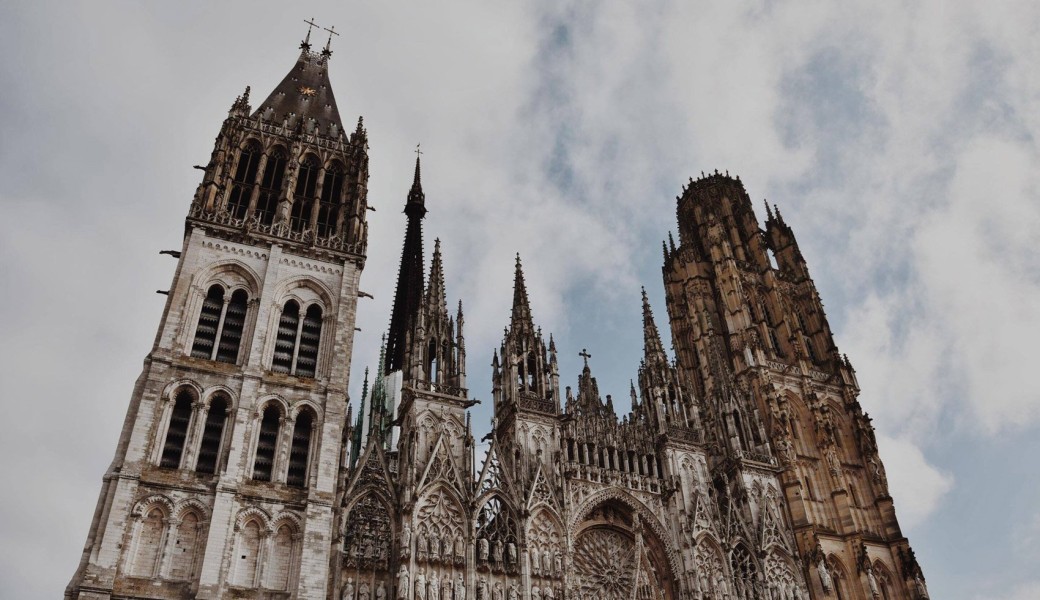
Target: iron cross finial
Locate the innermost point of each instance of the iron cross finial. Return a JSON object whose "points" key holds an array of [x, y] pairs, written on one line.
{"points": [[585, 354], [332, 32], [417, 149]]}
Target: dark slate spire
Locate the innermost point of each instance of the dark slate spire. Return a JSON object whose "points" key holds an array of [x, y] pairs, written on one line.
{"points": [[521, 318], [304, 97], [410, 284]]}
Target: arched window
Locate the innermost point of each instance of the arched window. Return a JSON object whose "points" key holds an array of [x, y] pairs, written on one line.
{"points": [[177, 431], [285, 342], [245, 178], [185, 542], [431, 361], [220, 320], [212, 436], [271, 186], [149, 543], [299, 452], [247, 555], [303, 197], [331, 190], [310, 336], [231, 330], [209, 321], [278, 566], [267, 443]]}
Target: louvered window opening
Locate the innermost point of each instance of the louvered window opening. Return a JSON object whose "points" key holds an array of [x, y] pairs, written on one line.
{"points": [[271, 187], [231, 332], [299, 451], [285, 342], [209, 321], [266, 444], [310, 337], [212, 435], [177, 431], [242, 184], [331, 190], [303, 197]]}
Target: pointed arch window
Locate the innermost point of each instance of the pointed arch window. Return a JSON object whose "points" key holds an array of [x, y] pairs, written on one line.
{"points": [[247, 554], [220, 320], [328, 209], [267, 443], [271, 186], [244, 180], [149, 543], [298, 341], [212, 436], [300, 450], [303, 197], [278, 566], [185, 542], [177, 431]]}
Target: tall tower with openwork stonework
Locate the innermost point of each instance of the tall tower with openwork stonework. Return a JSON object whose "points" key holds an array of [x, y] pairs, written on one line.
{"points": [[225, 474]]}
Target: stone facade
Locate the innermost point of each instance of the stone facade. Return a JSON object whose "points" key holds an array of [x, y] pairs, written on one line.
{"points": [[746, 468]]}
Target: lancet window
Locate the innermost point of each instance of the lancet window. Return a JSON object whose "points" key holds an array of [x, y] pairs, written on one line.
{"points": [[212, 435], [271, 186], [300, 449], [267, 443], [148, 547], [186, 538], [328, 209], [177, 430], [244, 180], [303, 197]]}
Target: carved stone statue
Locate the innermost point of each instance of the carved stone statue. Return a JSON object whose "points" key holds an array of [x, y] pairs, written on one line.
{"points": [[920, 588], [435, 587], [435, 546], [547, 561], [460, 588], [547, 593], [482, 549], [446, 588], [482, 589], [872, 582], [381, 591], [496, 551], [558, 564], [460, 549], [420, 543], [348, 589], [825, 575], [535, 558], [420, 586], [364, 592], [402, 583], [514, 592], [536, 594], [406, 536], [498, 593], [511, 552]]}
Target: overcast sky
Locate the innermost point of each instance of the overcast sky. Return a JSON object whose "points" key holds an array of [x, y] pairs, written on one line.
{"points": [[900, 141]]}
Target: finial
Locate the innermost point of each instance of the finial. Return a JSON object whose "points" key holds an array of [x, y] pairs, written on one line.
{"points": [[671, 242], [585, 354], [245, 96], [306, 45], [769, 211], [328, 45]]}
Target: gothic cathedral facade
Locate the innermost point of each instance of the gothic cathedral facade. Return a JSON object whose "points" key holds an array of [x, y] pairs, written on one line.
{"points": [[746, 468]]}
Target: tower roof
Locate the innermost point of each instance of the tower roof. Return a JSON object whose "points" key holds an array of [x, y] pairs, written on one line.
{"points": [[653, 349], [304, 94], [521, 316]]}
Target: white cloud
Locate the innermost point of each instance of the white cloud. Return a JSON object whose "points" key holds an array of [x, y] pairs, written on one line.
{"points": [[916, 486]]}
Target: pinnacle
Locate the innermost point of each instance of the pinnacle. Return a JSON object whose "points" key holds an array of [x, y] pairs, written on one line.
{"points": [[521, 306]]}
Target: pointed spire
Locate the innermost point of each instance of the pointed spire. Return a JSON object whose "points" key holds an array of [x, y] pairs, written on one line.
{"points": [[521, 315], [410, 283], [769, 211], [671, 242], [435, 296], [653, 349]]}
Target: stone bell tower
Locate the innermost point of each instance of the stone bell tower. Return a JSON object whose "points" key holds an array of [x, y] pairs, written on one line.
{"points": [[223, 481]]}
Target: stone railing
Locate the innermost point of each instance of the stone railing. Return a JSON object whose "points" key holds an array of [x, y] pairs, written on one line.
{"points": [[441, 388], [684, 434], [758, 457], [531, 401], [337, 243]]}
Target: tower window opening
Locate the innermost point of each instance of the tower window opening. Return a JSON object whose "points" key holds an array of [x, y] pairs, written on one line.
{"points": [[299, 452], [328, 208], [244, 179], [809, 348], [209, 321], [212, 436], [303, 197], [431, 362], [234, 323], [310, 337], [271, 187], [177, 431], [267, 444], [285, 342]]}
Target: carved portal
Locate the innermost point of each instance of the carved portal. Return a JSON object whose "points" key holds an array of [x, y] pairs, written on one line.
{"points": [[614, 559]]}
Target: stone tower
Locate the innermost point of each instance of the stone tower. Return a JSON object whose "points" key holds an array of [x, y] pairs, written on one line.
{"points": [[744, 468], [226, 471]]}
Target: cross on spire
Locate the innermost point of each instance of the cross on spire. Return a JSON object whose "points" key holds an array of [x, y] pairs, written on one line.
{"points": [[417, 149], [306, 45], [328, 44], [585, 354]]}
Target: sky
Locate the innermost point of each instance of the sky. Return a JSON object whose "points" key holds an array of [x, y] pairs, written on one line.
{"points": [[899, 140]]}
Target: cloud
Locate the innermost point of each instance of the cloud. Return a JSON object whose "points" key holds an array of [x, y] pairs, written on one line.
{"points": [[917, 486]]}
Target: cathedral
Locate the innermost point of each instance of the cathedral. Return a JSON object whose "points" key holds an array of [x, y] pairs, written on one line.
{"points": [[745, 468]]}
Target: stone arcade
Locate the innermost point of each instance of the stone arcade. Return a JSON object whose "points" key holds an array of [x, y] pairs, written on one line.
{"points": [[746, 468]]}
